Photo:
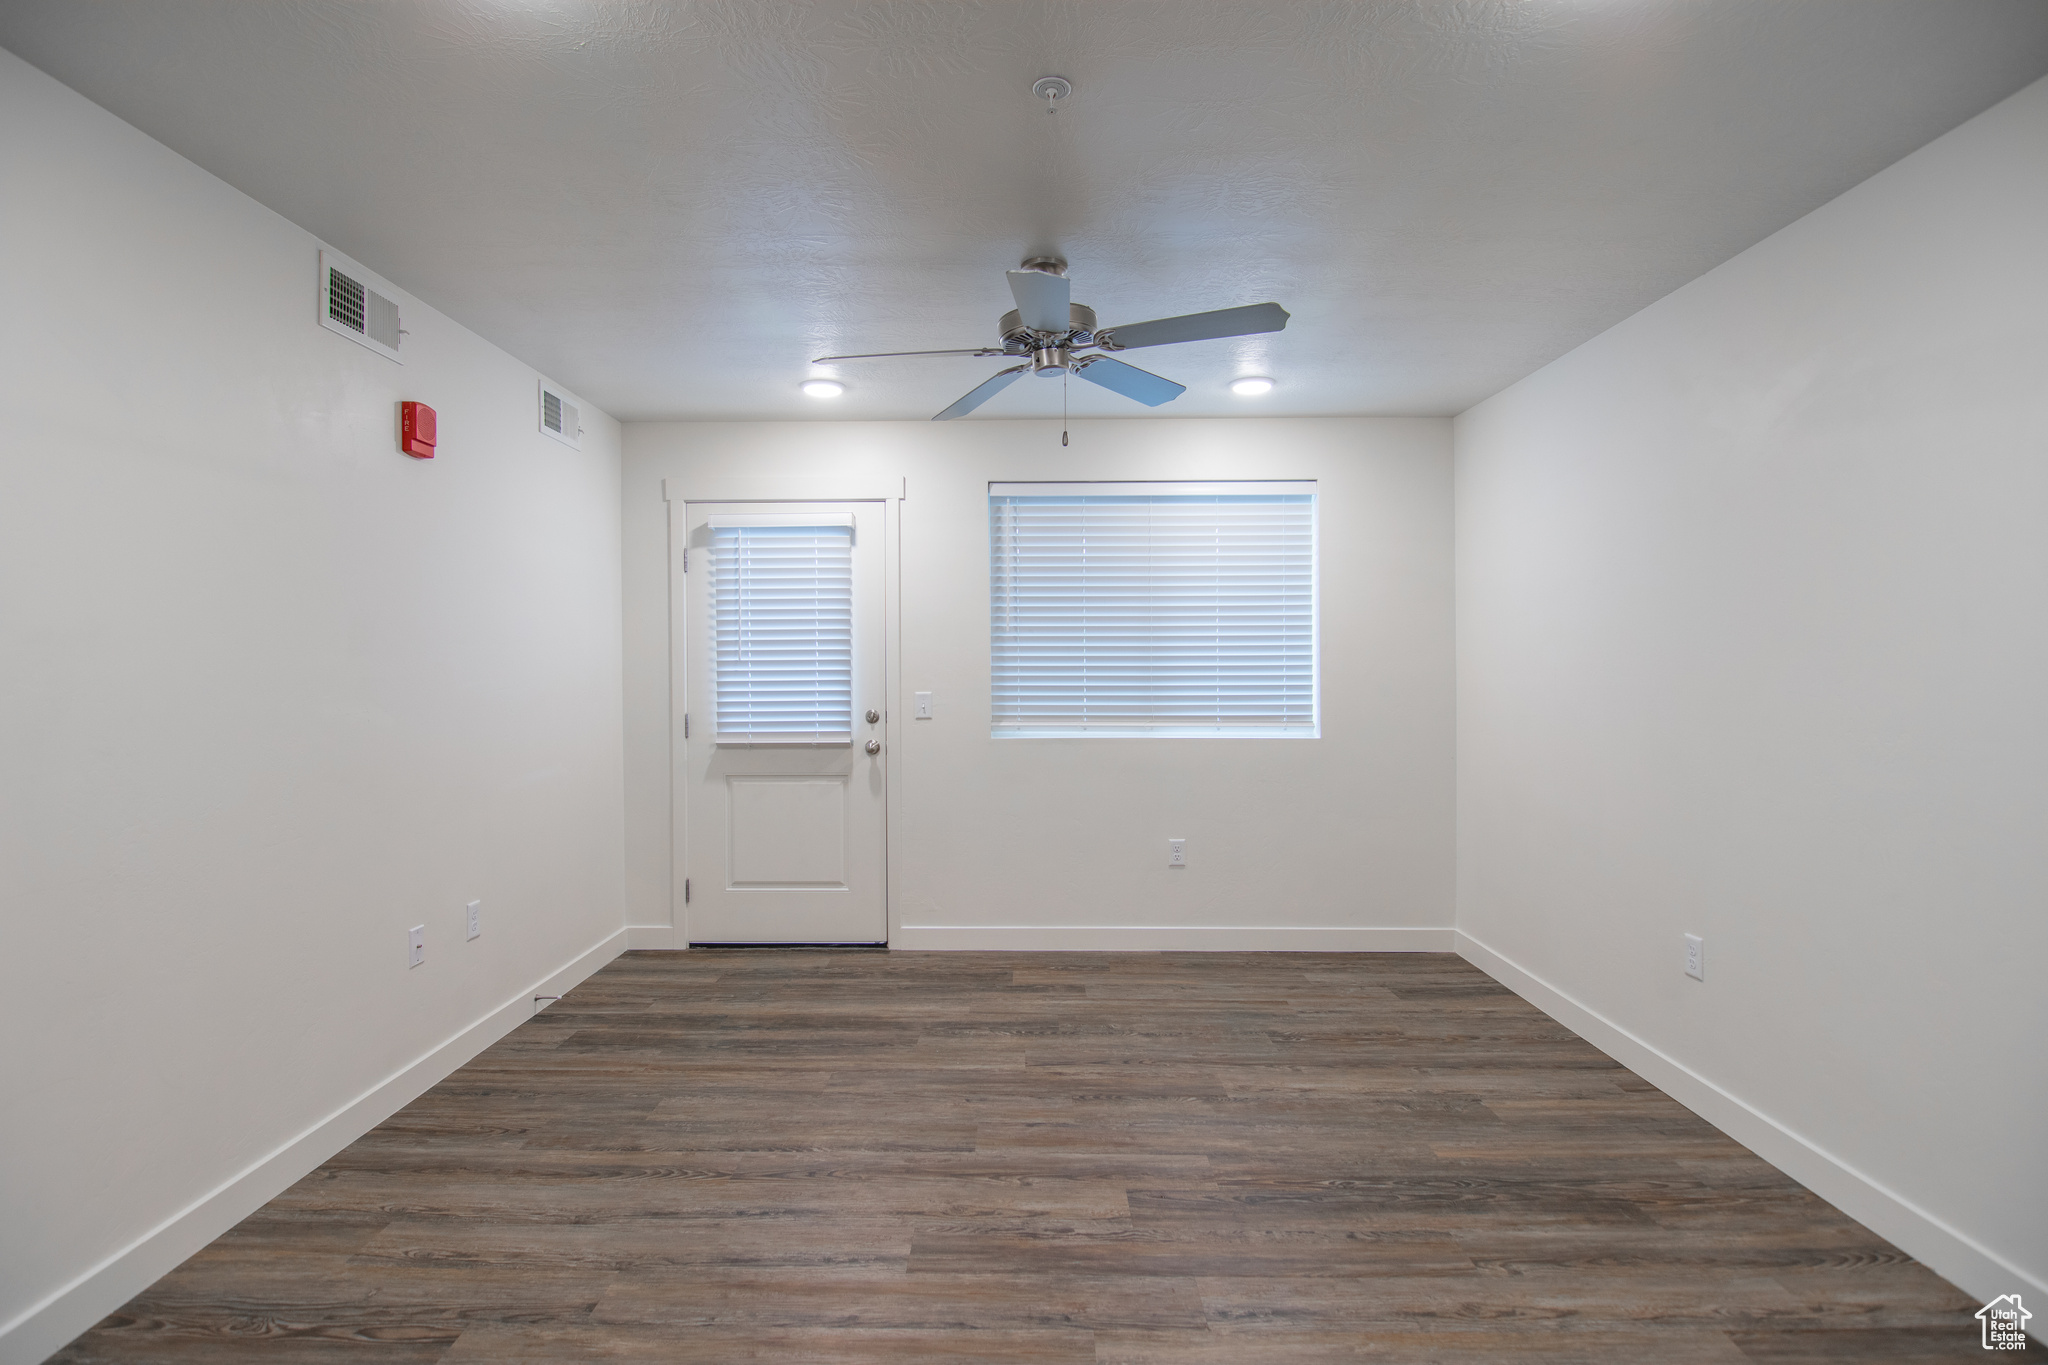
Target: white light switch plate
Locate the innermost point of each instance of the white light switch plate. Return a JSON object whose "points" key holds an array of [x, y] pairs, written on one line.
{"points": [[416, 946], [924, 705], [1695, 957], [476, 918]]}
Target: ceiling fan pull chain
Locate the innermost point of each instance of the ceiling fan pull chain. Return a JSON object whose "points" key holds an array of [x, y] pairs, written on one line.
{"points": [[1064, 374]]}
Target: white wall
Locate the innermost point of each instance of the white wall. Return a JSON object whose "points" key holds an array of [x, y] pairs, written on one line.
{"points": [[995, 841], [1753, 643], [270, 693]]}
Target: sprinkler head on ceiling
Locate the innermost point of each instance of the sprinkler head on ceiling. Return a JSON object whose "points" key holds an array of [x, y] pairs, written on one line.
{"points": [[1051, 89]]}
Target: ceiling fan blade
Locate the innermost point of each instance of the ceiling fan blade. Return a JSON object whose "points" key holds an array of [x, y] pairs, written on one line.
{"points": [[1042, 300], [1130, 381], [1224, 322], [884, 355], [982, 392]]}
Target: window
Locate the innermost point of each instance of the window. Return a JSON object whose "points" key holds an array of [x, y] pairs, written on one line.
{"points": [[1153, 609], [782, 629]]}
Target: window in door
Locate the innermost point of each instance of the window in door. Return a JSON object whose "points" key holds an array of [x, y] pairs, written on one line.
{"points": [[782, 630]]}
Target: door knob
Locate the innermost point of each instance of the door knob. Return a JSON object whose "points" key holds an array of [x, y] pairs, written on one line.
{"points": [[874, 717], [874, 746]]}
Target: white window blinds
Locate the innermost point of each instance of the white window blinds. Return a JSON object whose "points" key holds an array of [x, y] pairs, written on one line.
{"points": [[782, 633], [1153, 609]]}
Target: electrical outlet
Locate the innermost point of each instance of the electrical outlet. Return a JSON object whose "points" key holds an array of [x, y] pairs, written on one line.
{"points": [[924, 706], [1176, 853], [476, 918], [1695, 957], [416, 946]]}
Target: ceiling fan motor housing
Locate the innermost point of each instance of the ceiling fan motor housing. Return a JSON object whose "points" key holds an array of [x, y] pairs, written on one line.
{"points": [[1019, 339]]}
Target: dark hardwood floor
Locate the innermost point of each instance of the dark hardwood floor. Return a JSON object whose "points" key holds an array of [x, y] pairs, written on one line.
{"points": [[871, 1156]]}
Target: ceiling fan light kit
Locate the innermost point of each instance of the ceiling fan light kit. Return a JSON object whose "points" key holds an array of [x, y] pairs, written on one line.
{"points": [[1251, 386], [1053, 336], [823, 388]]}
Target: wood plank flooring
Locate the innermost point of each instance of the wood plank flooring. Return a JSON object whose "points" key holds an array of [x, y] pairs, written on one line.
{"points": [[757, 1155]]}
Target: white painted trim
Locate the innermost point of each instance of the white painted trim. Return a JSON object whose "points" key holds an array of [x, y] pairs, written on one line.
{"points": [[775, 488], [47, 1326], [735, 520], [896, 721], [678, 596], [1167, 938], [1952, 1253], [1171, 488], [658, 937]]}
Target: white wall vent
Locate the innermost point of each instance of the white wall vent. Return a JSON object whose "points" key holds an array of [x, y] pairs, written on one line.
{"points": [[355, 303], [559, 417]]}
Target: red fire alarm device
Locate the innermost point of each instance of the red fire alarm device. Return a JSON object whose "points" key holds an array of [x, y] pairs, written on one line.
{"points": [[416, 430]]}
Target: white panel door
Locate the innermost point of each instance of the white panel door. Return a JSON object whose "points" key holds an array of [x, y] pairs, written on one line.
{"points": [[783, 783]]}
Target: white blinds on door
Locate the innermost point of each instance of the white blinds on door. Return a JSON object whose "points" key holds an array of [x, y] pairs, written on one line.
{"points": [[782, 634], [1155, 609]]}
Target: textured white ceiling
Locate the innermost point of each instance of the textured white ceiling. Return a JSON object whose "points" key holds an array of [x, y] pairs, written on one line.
{"points": [[672, 207]]}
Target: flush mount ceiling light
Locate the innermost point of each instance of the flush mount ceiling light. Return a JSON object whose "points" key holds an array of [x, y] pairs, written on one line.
{"points": [[823, 388], [1251, 386]]}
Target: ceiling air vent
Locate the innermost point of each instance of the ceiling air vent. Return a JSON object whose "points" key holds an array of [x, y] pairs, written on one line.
{"points": [[352, 302], [559, 417]]}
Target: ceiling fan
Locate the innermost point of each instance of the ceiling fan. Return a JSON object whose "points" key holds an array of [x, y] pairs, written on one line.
{"points": [[1053, 335]]}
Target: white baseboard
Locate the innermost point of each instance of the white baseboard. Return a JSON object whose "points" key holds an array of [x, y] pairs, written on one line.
{"points": [[1156, 938], [658, 936], [1951, 1253], [48, 1326]]}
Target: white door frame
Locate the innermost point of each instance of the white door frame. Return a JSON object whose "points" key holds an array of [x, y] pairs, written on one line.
{"points": [[678, 493]]}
